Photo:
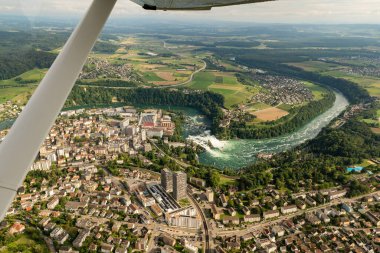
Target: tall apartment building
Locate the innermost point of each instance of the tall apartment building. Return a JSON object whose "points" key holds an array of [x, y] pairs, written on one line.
{"points": [[167, 180], [179, 185]]}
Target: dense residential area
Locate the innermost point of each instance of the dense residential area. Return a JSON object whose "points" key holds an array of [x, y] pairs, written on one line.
{"points": [[200, 139], [91, 190]]}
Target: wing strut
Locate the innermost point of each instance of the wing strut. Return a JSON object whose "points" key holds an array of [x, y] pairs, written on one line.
{"points": [[21, 145]]}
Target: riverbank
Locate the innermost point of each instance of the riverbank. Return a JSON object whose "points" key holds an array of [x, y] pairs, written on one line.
{"points": [[239, 153]]}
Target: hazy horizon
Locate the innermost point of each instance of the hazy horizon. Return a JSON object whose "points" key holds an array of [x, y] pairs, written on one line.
{"points": [[277, 12]]}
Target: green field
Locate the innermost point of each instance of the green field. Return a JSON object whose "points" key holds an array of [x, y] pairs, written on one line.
{"points": [[152, 77], [16, 94], [226, 180], [371, 84], [225, 84], [33, 76], [202, 81], [286, 107], [317, 90], [314, 66]]}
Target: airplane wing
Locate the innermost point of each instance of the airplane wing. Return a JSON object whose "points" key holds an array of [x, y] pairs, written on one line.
{"points": [[21, 145], [190, 4]]}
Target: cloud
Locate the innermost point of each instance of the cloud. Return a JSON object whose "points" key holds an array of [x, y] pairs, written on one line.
{"points": [[282, 11]]}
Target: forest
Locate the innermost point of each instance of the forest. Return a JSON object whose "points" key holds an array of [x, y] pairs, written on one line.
{"points": [[108, 83], [12, 65]]}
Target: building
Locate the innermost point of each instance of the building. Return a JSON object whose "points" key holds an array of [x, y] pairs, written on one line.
{"points": [[179, 185], [168, 240], [197, 182], [167, 180], [78, 242], [189, 247], [271, 214], [53, 203], [186, 217], [347, 208], [209, 194], [142, 243], [252, 218], [215, 212], [223, 200], [124, 124], [312, 219], [289, 209], [337, 194], [106, 248], [156, 209], [16, 228], [231, 220]]}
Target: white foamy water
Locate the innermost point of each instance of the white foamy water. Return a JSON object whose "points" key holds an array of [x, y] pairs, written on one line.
{"points": [[210, 143]]}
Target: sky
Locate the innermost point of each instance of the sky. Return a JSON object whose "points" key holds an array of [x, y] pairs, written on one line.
{"points": [[281, 11]]}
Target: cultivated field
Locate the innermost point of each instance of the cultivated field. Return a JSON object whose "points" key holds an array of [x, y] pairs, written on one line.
{"points": [[224, 83], [270, 114]]}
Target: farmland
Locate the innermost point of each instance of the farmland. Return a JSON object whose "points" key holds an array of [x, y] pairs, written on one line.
{"points": [[225, 84], [270, 114], [17, 94], [144, 61], [370, 83]]}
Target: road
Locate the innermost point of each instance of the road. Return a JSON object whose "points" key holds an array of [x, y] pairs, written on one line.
{"points": [[286, 217]]}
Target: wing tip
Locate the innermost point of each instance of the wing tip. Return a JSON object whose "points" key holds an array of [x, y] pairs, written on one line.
{"points": [[149, 7]]}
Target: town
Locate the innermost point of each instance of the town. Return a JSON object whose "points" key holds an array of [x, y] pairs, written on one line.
{"points": [[102, 68], [90, 188], [9, 110], [281, 90]]}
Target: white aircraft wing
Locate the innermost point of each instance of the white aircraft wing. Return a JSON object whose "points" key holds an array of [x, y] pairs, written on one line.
{"points": [[21, 145], [190, 4]]}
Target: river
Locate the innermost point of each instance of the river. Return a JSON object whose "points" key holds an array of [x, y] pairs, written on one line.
{"points": [[239, 153]]}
